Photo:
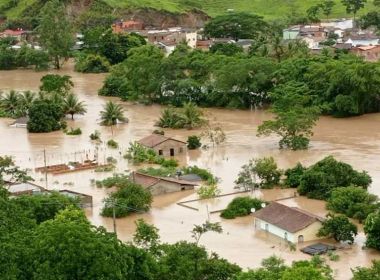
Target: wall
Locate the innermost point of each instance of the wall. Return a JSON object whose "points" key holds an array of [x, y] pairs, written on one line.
{"points": [[191, 39], [260, 224], [310, 233], [163, 187], [169, 144]]}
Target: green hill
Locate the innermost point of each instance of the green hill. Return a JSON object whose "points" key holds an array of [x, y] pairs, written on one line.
{"points": [[270, 9]]}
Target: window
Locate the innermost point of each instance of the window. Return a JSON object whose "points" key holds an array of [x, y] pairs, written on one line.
{"points": [[300, 239], [160, 152], [181, 150], [172, 152]]}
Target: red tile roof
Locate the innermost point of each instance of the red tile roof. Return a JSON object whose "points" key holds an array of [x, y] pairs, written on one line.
{"points": [[291, 219]]}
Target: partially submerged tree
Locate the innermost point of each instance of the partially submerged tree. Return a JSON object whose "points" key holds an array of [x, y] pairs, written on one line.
{"points": [[215, 135], [112, 114], [72, 106], [54, 83], [340, 228], [199, 230]]}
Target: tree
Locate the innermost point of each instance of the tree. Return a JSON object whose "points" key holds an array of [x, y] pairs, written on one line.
{"points": [[112, 114], [208, 191], [340, 228], [129, 198], [372, 230], [364, 273], [215, 134], [264, 169], [236, 26], [294, 175], [10, 103], [193, 142], [146, 236], [241, 206], [208, 226], [313, 11], [91, 63], [72, 106], [353, 6], [45, 116], [320, 179], [228, 49], [54, 83], [352, 201], [191, 116], [10, 172], [26, 100], [327, 6], [55, 33], [294, 119]]}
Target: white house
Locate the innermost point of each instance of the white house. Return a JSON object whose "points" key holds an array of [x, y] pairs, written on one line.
{"points": [[290, 223], [339, 24], [362, 39]]}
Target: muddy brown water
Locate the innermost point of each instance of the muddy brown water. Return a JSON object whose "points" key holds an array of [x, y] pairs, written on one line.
{"points": [[353, 140]]}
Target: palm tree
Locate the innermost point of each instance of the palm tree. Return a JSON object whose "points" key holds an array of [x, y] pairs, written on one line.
{"points": [[72, 106], [10, 102], [112, 114], [192, 116], [25, 101]]}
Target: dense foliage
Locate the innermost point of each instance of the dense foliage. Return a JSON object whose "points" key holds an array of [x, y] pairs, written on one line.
{"points": [[372, 230], [189, 116], [294, 175], [91, 63], [193, 142], [45, 116], [354, 202], [241, 206], [365, 273], [340, 228], [128, 198], [320, 179]]}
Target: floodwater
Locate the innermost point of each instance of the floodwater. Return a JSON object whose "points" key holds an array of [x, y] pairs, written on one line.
{"points": [[353, 140]]}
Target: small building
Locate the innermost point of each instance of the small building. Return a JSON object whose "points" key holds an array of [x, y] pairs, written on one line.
{"points": [[127, 26], [290, 223], [369, 53], [339, 24], [85, 200], [26, 188], [16, 34], [20, 122], [164, 146], [362, 39], [161, 185]]}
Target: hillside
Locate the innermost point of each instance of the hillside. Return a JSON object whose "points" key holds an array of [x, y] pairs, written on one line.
{"points": [[270, 9]]}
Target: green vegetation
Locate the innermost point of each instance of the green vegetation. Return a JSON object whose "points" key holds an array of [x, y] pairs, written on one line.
{"points": [[193, 142], [340, 228], [208, 191], [259, 173], [73, 131], [367, 273], [95, 136], [54, 83], [294, 176], [45, 116], [320, 179], [112, 114], [215, 135], [372, 230], [112, 144], [55, 33], [129, 198], [15, 104], [72, 106], [91, 63], [354, 202], [200, 230], [241, 206]]}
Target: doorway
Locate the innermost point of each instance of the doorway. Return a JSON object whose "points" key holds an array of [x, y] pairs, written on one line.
{"points": [[300, 238], [172, 152]]}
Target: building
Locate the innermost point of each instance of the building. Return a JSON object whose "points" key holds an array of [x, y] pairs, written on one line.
{"points": [[161, 185], [290, 223], [362, 39], [343, 24], [85, 200], [26, 188], [164, 146], [369, 53], [175, 35], [16, 34], [127, 26]]}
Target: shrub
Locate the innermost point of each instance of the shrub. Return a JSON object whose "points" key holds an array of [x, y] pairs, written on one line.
{"points": [[91, 63], [321, 178], [340, 228], [203, 173], [208, 191], [112, 144], [372, 230], [113, 181], [193, 142], [95, 136], [352, 201], [190, 116], [294, 175], [44, 116], [73, 131], [129, 198], [241, 206]]}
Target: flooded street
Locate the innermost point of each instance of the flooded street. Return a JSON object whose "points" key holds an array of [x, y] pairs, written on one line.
{"points": [[353, 140]]}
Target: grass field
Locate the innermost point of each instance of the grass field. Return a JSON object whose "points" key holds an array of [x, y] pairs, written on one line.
{"points": [[270, 9]]}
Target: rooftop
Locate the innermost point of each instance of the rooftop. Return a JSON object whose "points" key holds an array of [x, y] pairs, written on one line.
{"points": [[291, 219], [147, 180], [153, 140]]}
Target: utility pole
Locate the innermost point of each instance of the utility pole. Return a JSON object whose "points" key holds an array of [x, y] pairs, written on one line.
{"points": [[114, 217], [46, 180]]}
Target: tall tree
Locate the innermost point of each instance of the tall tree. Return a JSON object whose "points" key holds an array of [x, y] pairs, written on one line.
{"points": [[112, 114], [53, 83], [9, 102], [72, 106], [340, 228], [55, 33], [327, 6], [353, 6]]}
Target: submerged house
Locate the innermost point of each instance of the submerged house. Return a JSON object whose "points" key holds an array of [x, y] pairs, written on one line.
{"points": [[164, 146], [26, 188], [20, 122], [161, 185], [290, 223]]}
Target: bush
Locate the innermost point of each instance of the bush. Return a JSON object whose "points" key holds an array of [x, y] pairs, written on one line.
{"points": [[159, 132], [95, 136], [208, 191], [294, 175], [91, 63], [190, 116], [241, 206], [44, 116], [73, 131], [112, 144], [129, 198], [372, 230], [203, 173], [193, 142], [352, 201], [320, 179], [340, 228], [115, 181]]}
